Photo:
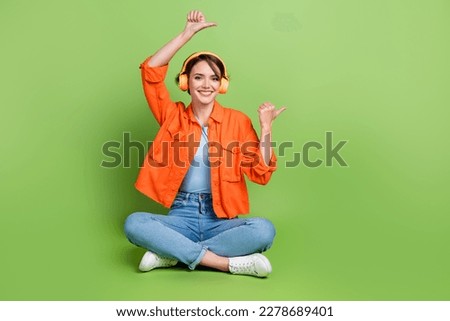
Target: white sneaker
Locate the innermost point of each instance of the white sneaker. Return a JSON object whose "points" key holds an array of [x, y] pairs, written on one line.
{"points": [[152, 261], [254, 264]]}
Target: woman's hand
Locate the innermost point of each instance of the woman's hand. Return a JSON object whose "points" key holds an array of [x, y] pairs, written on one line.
{"points": [[196, 21], [267, 113]]}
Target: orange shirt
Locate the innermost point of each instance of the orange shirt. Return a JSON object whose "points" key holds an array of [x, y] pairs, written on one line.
{"points": [[233, 147]]}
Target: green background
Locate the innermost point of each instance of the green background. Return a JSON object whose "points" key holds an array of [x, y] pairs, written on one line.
{"points": [[375, 73]]}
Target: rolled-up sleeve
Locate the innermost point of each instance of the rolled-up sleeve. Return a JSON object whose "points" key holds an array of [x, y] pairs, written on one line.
{"points": [[155, 90], [253, 163]]}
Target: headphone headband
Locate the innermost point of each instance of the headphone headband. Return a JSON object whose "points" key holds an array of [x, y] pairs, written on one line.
{"points": [[183, 79]]}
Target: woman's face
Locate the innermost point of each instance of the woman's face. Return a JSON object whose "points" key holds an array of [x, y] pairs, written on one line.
{"points": [[203, 84]]}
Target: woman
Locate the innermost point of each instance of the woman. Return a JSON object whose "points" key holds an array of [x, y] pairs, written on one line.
{"points": [[196, 166]]}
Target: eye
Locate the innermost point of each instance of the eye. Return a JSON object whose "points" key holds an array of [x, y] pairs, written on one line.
{"points": [[215, 78], [197, 77]]}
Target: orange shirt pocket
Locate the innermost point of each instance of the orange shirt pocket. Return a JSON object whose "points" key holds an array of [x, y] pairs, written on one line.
{"points": [[230, 166]]}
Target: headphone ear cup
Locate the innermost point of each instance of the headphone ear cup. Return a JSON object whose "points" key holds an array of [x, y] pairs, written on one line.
{"points": [[223, 86], [183, 82]]}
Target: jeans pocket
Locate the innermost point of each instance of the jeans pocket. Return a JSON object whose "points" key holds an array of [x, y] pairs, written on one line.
{"points": [[178, 202], [176, 205]]}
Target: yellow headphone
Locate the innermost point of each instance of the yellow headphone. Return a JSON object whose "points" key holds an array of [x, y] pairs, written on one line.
{"points": [[183, 82]]}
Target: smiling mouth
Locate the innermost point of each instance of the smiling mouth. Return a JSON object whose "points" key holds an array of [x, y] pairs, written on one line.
{"points": [[205, 93]]}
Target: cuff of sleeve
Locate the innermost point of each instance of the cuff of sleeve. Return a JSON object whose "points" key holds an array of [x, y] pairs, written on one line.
{"points": [[261, 168], [153, 74]]}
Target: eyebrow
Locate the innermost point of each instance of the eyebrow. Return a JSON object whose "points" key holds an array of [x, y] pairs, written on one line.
{"points": [[203, 75]]}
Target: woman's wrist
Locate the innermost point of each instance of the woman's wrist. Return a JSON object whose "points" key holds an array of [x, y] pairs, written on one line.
{"points": [[186, 35], [266, 128]]}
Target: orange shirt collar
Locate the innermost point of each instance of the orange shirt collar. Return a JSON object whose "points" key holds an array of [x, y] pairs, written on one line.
{"points": [[216, 115]]}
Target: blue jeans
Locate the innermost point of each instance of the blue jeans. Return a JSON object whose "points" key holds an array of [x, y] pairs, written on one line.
{"points": [[191, 228]]}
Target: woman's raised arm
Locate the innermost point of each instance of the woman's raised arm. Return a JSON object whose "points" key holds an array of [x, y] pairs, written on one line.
{"points": [[195, 22]]}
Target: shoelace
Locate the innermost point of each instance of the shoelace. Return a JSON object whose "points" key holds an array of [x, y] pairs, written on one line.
{"points": [[162, 261], [245, 268]]}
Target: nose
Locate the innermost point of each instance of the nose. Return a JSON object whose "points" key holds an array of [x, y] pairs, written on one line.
{"points": [[205, 83]]}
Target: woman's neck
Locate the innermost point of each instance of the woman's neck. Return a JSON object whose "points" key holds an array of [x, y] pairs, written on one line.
{"points": [[202, 112]]}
